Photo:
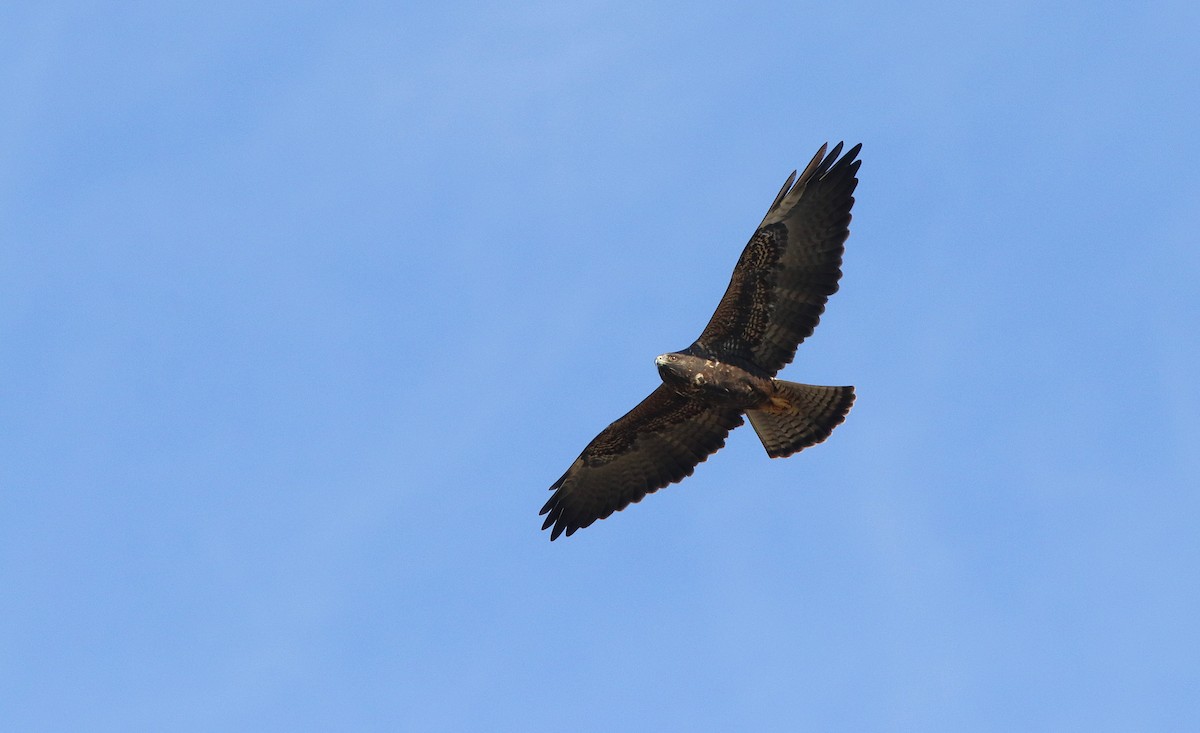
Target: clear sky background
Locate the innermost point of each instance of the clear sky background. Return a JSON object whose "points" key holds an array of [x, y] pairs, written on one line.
{"points": [[304, 306]]}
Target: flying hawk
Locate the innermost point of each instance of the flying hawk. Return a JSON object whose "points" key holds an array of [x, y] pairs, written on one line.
{"points": [[777, 294]]}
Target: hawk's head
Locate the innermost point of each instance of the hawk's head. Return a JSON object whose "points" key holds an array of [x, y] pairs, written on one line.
{"points": [[680, 370], [670, 362]]}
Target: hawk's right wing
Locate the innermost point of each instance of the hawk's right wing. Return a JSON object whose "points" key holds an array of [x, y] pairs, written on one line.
{"points": [[656, 443]]}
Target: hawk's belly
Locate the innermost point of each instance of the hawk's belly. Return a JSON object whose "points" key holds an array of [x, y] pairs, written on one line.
{"points": [[718, 383]]}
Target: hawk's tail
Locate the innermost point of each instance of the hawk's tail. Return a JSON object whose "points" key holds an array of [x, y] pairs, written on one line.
{"points": [[799, 415]]}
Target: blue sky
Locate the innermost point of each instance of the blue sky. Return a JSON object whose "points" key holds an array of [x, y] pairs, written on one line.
{"points": [[304, 306]]}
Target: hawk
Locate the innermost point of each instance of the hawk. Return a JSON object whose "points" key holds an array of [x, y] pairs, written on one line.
{"points": [[778, 291]]}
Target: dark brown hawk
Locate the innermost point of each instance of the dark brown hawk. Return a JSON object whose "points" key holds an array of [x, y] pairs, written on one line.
{"points": [[777, 294]]}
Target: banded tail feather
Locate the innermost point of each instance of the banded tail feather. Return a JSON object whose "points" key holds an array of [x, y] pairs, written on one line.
{"points": [[799, 416]]}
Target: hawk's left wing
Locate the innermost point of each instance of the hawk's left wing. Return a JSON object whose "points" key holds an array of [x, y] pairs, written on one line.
{"points": [[656, 443], [789, 268]]}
